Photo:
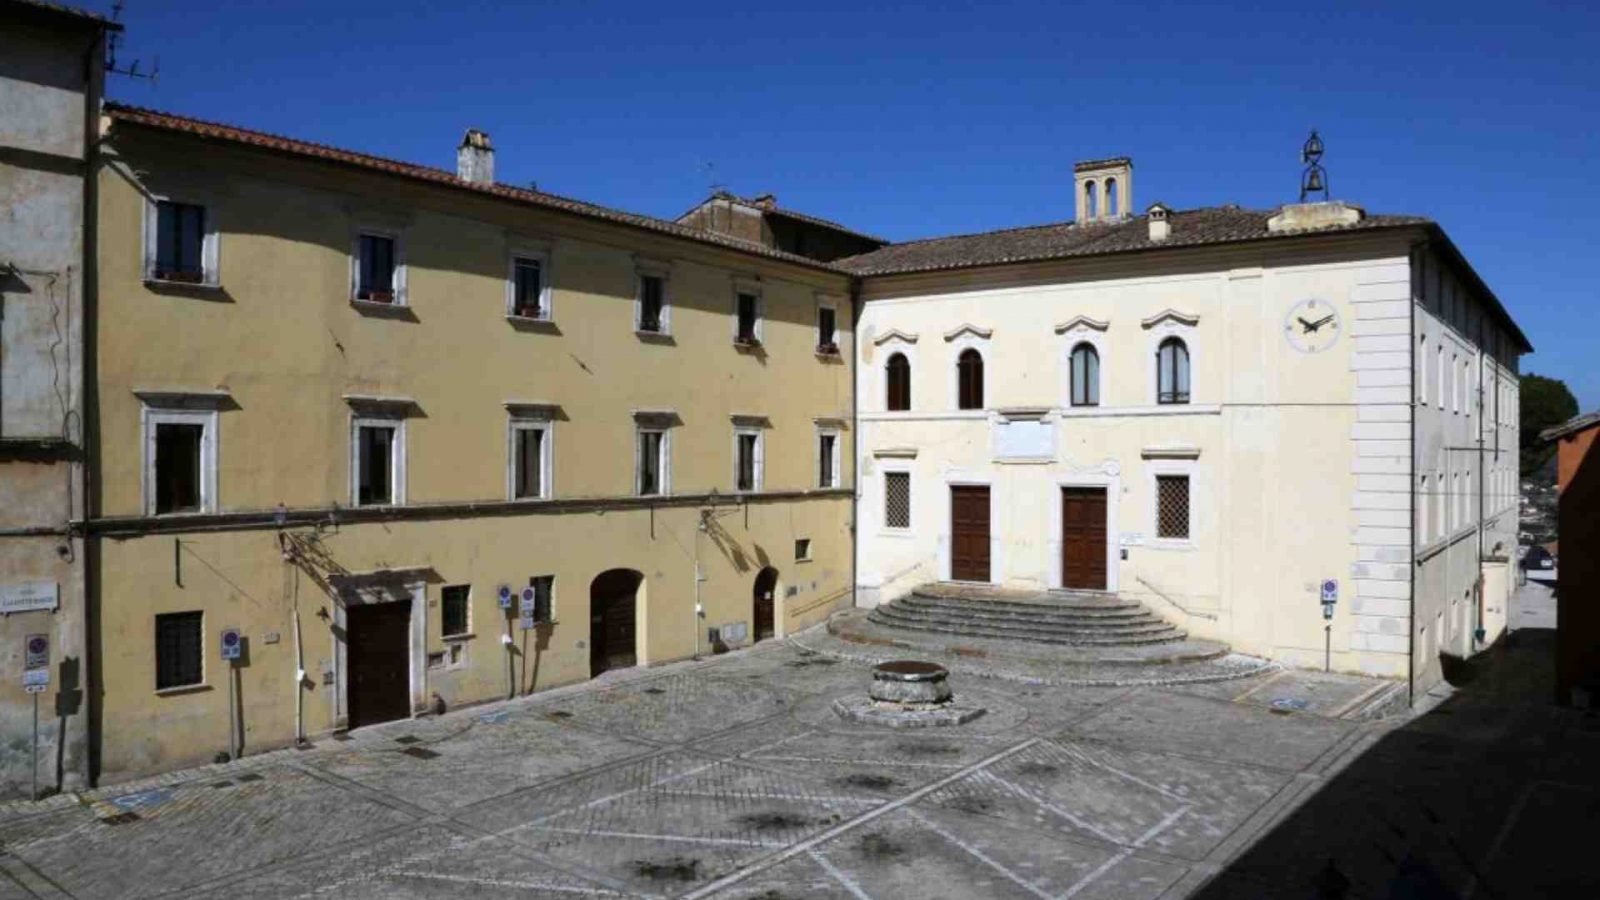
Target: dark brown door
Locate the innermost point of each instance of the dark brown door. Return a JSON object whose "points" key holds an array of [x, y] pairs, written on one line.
{"points": [[612, 598], [378, 649], [1083, 538], [969, 533], [763, 624]]}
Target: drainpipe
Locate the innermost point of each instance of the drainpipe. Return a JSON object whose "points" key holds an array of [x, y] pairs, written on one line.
{"points": [[855, 438], [1417, 256], [1479, 633], [699, 611]]}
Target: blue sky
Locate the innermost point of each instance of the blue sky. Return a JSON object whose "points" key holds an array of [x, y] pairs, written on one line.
{"points": [[915, 119]]}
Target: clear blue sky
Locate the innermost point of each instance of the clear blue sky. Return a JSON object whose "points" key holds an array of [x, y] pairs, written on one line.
{"points": [[914, 119]]}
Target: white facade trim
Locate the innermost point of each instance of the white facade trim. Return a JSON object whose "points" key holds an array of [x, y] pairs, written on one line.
{"points": [[153, 414], [1163, 325], [417, 657], [961, 340], [880, 502], [1078, 331], [1188, 468], [944, 533], [210, 241], [517, 423], [397, 454]]}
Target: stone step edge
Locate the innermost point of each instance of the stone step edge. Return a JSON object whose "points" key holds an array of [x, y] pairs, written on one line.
{"points": [[1062, 628], [1110, 603], [954, 613], [841, 633], [914, 601], [1034, 636]]}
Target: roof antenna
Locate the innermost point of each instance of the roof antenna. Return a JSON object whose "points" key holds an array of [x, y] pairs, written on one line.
{"points": [[1314, 178], [709, 170], [114, 40]]}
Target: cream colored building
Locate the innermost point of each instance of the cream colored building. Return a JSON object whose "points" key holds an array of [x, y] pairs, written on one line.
{"points": [[341, 401], [1213, 411]]}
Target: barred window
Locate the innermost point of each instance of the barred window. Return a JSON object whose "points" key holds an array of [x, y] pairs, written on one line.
{"points": [[178, 643], [1172, 506], [897, 499], [454, 616]]}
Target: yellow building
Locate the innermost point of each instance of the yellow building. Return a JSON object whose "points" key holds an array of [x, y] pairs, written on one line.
{"points": [[342, 404]]}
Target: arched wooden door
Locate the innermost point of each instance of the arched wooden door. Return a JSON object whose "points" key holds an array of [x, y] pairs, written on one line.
{"points": [[613, 608], [763, 617]]}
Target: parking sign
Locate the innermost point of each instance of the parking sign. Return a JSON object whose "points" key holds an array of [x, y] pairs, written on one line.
{"points": [[232, 643], [38, 651]]}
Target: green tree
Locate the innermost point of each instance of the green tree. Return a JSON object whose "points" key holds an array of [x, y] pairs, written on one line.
{"points": [[1544, 402]]}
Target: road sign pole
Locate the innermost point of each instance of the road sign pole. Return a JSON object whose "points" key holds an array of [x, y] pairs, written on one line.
{"points": [[35, 794], [233, 718]]}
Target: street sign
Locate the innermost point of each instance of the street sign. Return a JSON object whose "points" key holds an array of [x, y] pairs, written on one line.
{"points": [[232, 643], [527, 609], [1330, 591], [504, 593], [36, 688], [36, 676], [37, 647], [29, 596]]}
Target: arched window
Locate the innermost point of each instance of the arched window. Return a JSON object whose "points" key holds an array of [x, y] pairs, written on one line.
{"points": [[1085, 376], [1172, 372], [899, 382], [969, 377], [1091, 205], [1112, 207]]}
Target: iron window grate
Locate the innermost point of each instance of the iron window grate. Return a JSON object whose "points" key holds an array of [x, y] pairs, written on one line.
{"points": [[897, 499], [1172, 506], [178, 646]]}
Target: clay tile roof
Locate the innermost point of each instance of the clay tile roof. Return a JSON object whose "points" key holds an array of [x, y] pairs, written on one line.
{"points": [[216, 131], [1212, 225], [73, 11], [1571, 426]]}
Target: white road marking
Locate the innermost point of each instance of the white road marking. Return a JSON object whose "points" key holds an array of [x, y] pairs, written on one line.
{"points": [[844, 880], [981, 856], [679, 838], [1041, 802]]}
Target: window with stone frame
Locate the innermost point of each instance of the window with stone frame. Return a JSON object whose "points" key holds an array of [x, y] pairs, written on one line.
{"points": [[455, 617], [1172, 507], [179, 645], [897, 371], [897, 499], [969, 378]]}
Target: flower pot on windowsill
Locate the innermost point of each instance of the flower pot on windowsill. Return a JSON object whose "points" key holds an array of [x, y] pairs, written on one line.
{"points": [[528, 312], [827, 349], [181, 276], [747, 342], [376, 296]]}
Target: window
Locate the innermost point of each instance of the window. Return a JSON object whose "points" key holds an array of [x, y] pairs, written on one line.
{"points": [[377, 268], [1455, 393], [1422, 371], [747, 322], [530, 459], [652, 461], [747, 459], [180, 242], [969, 374], [1422, 511], [1085, 376], [455, 610], [529, 291], [802, 549], [379, 449], [827, 333], [1440, 383], [178, 650], [1091, 208], [1172, 372], [898, 371], [827, 459], [180, 461], [652, 306], [1172, 507], [897, 499], [544, 587]]}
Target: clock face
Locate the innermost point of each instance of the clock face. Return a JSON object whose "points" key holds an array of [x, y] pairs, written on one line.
{"points": [[1312, 326]]}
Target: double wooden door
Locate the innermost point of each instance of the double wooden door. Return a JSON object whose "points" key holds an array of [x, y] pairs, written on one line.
{"points": [[378, 651], [1083, 538], [612, 601], [969, 533]]}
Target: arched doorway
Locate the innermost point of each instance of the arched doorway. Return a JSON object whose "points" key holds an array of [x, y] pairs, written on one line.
{"points": [[763, 617], [613, 604]]}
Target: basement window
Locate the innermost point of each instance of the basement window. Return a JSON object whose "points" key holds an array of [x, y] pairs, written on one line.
{"points": [[455, 611], [178, 650], [802, 550], [1172, 507], [544, 587], [897, 500]]}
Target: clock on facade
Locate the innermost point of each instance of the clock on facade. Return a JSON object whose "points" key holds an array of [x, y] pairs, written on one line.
{"points": [[1311, 326]]}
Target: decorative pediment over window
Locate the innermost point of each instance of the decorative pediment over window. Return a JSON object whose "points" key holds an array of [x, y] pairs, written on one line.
{"points": [[967, 328], [533, 409], [181, 399], [1082, 323], [657, 418], [892, 335], [750, 421], [378, 405], [1171, 315], [895, 453]]}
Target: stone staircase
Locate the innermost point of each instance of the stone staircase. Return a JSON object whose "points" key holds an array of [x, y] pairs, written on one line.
{"points": [[1043, 617]]}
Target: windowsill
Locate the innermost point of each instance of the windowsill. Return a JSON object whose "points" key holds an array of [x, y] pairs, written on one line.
{"points": [[1174, 544], [382, 309], [539, 499], [899, 533], [182, 689], [457, 638], [376, 505], [654, 337], [181, 513], [515, 319], [201, 285]]}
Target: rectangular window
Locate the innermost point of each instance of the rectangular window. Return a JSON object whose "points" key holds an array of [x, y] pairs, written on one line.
{"points": [[179, 640], [897, 499], [528, 462], [827, 333], [749, 317], [527, 289], [747, 462], [1422, 511], [802, 549], [652, 461], [455, 610], [180, 242], [543, 597], [177, 467], [652, 304], [375, 269], [375, 464], [827, 460], [1172, 507]]}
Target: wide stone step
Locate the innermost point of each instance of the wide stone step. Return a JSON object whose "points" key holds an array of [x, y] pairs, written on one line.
{"points": [[1063, 625], [1089, 604], [1032, 634], [1051, 662], [1130, 613]]}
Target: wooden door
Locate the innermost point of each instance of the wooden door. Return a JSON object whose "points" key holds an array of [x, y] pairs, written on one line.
{"points": [[969, 533], [378, 651], [763, 615], [612, 600], [1083, 538]]}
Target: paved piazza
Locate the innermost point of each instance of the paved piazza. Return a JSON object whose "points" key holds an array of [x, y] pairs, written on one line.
{"points": [[729, 777]]}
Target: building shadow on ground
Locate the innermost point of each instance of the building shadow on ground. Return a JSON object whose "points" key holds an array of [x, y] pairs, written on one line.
{"points": [[1494, 793]]}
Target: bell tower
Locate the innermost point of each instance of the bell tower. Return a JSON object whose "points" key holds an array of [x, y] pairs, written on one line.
{"points": [[1104, 190]]}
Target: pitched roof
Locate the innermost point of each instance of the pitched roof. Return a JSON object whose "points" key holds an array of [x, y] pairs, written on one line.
{"points": [[774, 209], [1571, 426], [1212, 225], [216, 131], [62, 9]]}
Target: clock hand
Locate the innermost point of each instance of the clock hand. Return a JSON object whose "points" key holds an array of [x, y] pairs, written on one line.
{"points": [[1306, 325]]}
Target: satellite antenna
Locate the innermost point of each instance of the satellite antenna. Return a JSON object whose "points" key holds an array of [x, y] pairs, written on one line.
{"points": [[1314, 179], [114, 41]]}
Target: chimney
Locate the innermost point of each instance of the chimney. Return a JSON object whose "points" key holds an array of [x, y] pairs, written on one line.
{"points": [[767, 202], [475, 158], [1160, 224], [1104, 189]]}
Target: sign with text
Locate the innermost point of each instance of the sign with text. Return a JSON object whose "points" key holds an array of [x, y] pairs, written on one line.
{"points": [[232, 643], [29, 596]]}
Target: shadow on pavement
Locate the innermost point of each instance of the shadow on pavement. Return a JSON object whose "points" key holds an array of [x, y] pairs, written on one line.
{"points": [[1494, 793]]}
